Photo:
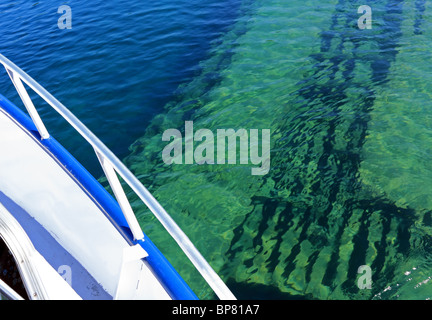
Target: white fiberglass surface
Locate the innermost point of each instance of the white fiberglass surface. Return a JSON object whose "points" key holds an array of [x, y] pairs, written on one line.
{"points": [[35, 181], [58, 258]]}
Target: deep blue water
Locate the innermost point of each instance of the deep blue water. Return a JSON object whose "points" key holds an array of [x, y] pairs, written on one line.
{"points": [[118, 66]]}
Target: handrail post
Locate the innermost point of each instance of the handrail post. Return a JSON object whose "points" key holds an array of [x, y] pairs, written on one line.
{"points": [[16, 80], [121, 197]]}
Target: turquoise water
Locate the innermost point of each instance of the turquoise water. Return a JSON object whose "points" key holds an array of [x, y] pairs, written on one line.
{"points": [[347, 109]]}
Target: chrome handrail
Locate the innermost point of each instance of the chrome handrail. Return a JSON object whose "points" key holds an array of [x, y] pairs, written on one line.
{"points": [[112, 165]]}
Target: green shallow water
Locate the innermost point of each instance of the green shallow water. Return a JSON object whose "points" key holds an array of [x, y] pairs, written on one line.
{"points": [[350, 139]]}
